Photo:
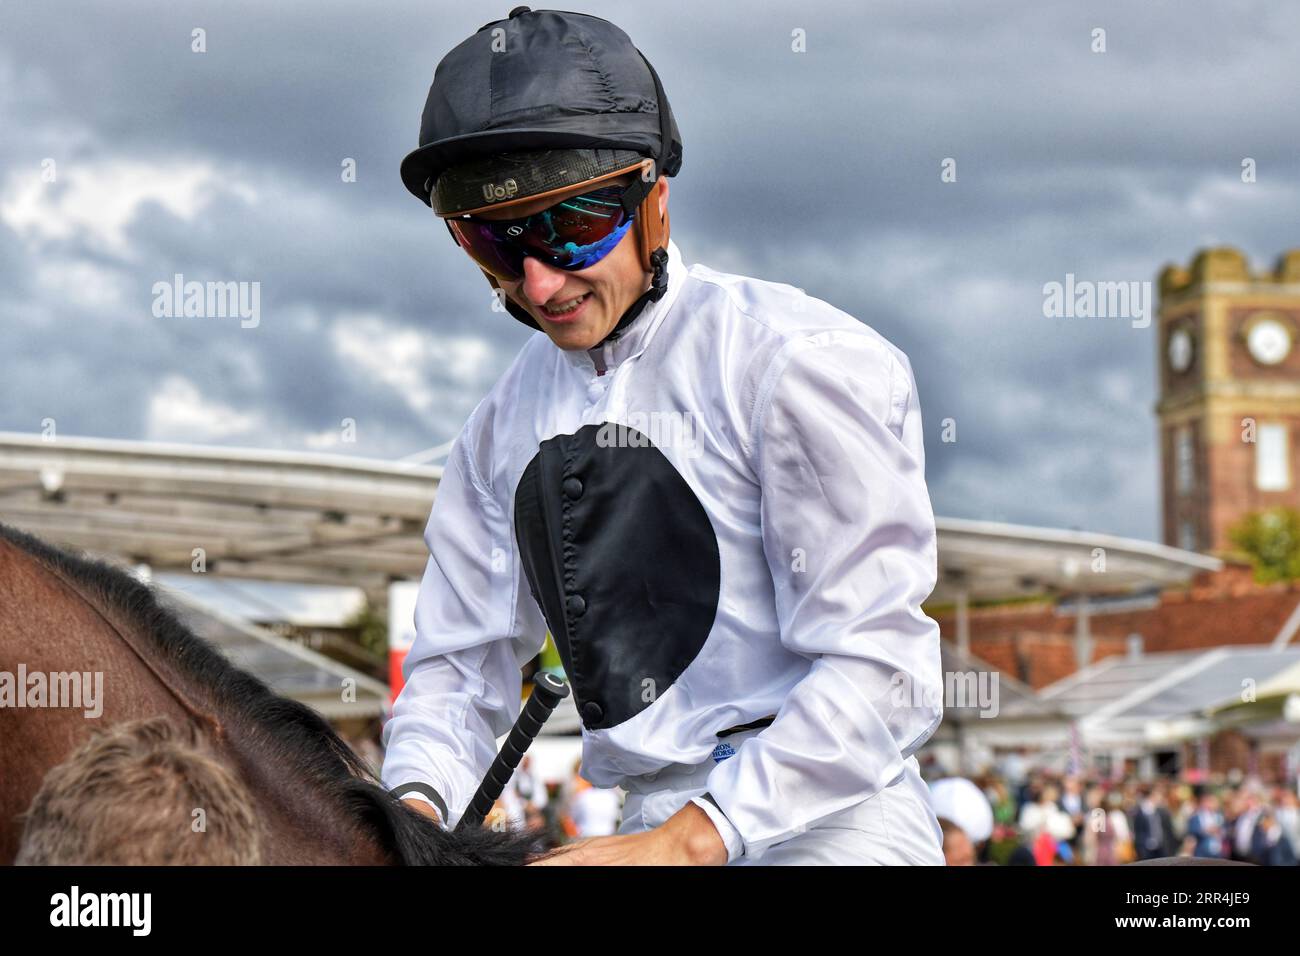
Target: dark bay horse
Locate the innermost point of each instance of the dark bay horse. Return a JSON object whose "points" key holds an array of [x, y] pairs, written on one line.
{"points": [[314, 798]]}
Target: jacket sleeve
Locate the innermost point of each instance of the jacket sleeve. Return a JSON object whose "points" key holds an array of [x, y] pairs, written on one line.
{"points": [[473, 633], [849, 535]]}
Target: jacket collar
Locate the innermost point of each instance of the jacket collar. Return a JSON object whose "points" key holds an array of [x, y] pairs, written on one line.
{"points": [[640, 331]]}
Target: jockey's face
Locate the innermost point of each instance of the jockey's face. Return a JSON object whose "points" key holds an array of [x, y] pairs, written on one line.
{"points": [[611, 285]]}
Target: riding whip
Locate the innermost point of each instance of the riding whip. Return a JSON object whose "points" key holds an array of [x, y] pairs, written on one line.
{"points": [[548, 691]]}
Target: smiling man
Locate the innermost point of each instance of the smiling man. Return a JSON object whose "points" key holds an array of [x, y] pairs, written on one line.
{"points": [[737, 602]]}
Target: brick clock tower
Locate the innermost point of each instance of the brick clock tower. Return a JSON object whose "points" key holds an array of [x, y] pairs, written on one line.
{"points": [[1229, 406]]}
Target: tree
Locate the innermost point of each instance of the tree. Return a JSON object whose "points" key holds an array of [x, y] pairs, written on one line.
{"points": [[1271, 541], [371, 624]]}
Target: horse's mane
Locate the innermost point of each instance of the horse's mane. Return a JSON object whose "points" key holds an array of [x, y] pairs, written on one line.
{"points": [[290, 732]]}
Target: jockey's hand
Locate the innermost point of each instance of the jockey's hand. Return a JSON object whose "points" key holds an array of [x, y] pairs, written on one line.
{"points": [[687, 838], [423, 806]]}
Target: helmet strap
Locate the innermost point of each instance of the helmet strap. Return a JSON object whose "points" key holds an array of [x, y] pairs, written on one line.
{"points": [[651, 238]]}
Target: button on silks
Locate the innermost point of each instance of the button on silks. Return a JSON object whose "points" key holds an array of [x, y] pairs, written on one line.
{"points": [[592, 712], [575, 605], [572, 488]]}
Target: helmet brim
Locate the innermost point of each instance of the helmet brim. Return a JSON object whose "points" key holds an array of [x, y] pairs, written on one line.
{"points": [[422, 166]]}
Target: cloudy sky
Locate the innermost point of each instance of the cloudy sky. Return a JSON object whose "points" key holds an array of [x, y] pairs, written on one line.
{"points": [[819, 168]]}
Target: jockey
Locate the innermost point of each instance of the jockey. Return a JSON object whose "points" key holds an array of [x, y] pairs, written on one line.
{"points": [[709, 488]]}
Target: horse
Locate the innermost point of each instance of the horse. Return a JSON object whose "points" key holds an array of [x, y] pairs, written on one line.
{"points": [[316, 801]]}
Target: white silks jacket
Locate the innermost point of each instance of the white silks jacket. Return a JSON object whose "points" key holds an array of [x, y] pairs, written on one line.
{"points": [[725, 515]]}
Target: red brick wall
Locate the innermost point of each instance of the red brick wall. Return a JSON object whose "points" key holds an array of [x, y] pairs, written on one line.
{"points": [[1231, 464], [1192, 505], [1229, 750], [1035, 645]]}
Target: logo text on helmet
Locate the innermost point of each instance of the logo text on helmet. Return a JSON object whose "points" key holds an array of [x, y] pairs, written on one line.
{"points": [[493, 192]]}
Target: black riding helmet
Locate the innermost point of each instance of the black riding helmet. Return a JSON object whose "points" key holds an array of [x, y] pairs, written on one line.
{"points": [[553, 99]]}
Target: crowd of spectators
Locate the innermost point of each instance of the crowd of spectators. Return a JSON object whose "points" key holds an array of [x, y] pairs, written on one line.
{"points": [[1052, 819]]}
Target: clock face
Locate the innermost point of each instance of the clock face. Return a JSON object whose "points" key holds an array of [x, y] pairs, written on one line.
{"points": [[1180, 350], [1269, 341]]}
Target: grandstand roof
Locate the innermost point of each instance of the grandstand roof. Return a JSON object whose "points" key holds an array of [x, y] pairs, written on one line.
{"points": [[1163, 697], [333, 689], [989, 560], [271, 515]]}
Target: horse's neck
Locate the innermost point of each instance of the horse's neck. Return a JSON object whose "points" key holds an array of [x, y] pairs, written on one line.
{"points": [[299, 823]]}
